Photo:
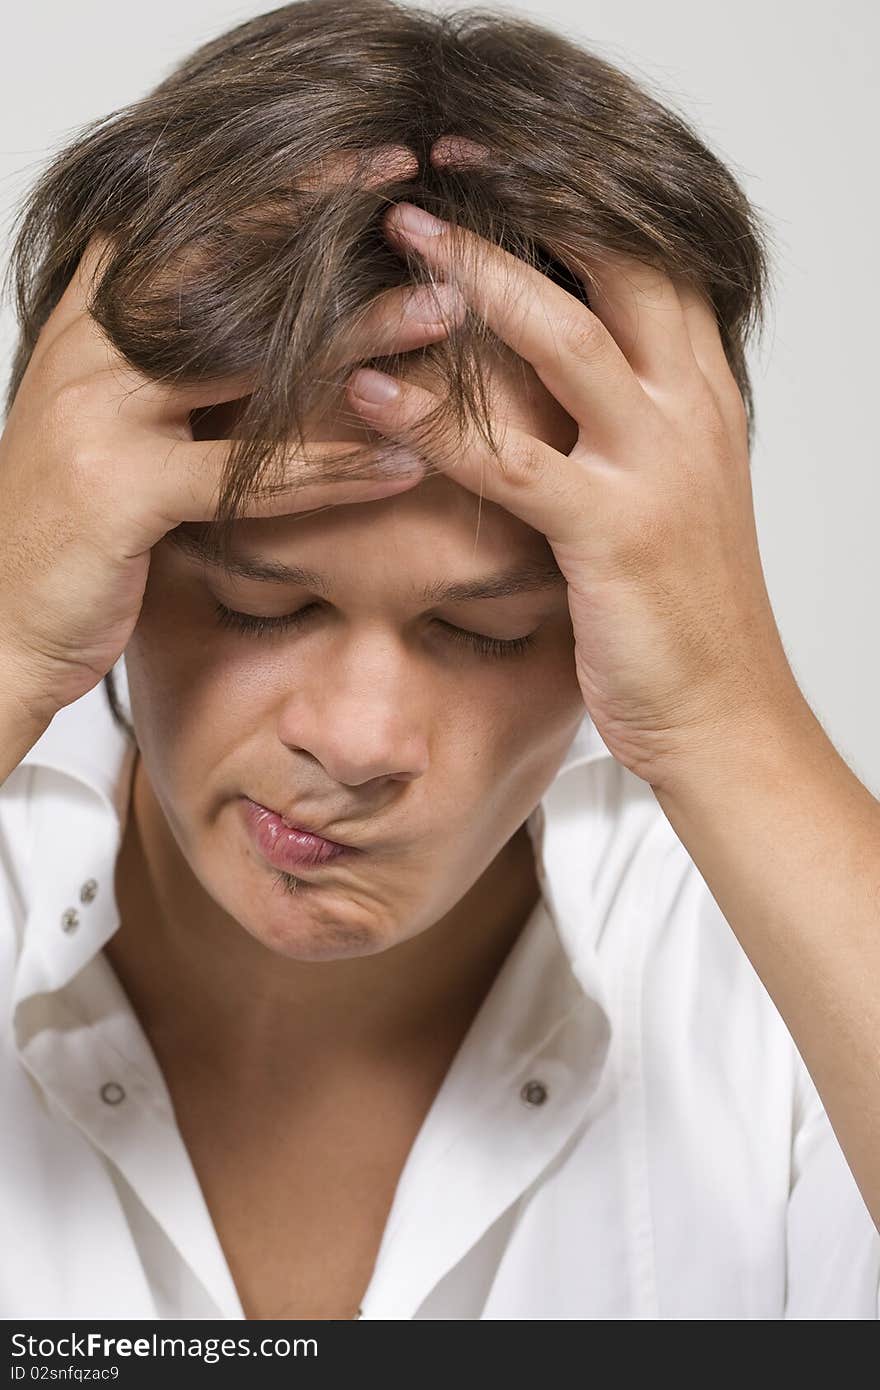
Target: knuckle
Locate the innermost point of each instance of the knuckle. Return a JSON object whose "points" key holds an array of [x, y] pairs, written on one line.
{"points": [[583, 335], [457, 150], [87, 468], [102, 464], [70, 401], [84, 455], [373, 168], [522, 466]]}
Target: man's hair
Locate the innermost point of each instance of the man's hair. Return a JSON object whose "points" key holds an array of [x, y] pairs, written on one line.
{"points": [[226, 255]]}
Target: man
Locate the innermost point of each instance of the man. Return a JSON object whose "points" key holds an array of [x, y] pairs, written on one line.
{"points": [[504, 1058], [500, 1056]]}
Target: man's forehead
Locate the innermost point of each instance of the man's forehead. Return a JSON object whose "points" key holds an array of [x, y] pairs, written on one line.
{"points": [[523, 574]]}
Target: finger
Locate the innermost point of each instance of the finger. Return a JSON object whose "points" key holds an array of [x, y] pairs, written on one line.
{"points": [[397, 320], [569, 347], [532, 480], [76, 349], [456, 151], [403, 318], [309, 494], [640, 306], [370, 168], [184, 484], [712, 360], [88, 353]]}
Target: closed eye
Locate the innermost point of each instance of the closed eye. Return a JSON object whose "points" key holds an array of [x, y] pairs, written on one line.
{"points": [[256, 626]]}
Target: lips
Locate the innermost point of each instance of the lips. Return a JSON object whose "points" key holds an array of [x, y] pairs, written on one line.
{"points": [[287, 846]]}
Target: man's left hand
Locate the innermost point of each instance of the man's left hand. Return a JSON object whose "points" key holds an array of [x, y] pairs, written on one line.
{"points": [[650, 516]]}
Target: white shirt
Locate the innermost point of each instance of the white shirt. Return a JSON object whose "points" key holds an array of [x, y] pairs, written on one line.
{"points": [[627, 1130]]}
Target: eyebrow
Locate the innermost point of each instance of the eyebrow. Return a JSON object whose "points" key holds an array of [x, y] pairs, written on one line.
{"points": [[526, 577]]}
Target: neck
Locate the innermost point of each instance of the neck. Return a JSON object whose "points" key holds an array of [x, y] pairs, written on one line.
{"points": [[204, 988]]}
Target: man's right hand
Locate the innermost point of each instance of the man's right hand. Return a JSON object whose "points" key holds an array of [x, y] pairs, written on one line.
{"points": [[98, 463]]}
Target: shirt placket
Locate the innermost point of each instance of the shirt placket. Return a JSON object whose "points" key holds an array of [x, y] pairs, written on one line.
{"points": [[502, 1114], [81, 1041]]}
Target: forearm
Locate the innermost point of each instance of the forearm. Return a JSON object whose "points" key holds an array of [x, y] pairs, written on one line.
{"points": [[788, 841]]}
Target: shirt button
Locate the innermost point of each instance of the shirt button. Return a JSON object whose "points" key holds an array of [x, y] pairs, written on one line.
{"points": [[70, 919], [112, 1093], [88, 890], [533, 1093]]}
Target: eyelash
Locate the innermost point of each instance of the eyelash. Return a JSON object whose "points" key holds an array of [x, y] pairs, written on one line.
{"points": [[258, 627]]}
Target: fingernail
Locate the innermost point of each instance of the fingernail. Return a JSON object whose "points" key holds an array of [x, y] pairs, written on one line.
{"points": [[416, 220], [373, 386], [429, 304]]}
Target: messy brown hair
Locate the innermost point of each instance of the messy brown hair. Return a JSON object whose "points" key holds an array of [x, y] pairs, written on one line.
{"points": [[226, 255]]}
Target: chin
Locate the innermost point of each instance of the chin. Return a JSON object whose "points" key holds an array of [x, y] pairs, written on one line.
{"points": [[302, 924]]}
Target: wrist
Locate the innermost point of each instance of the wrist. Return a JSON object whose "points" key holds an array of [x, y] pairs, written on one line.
{"points": [[758, 750], [21, 724]]}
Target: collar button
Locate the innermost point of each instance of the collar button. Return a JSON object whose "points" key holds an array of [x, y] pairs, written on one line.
{"points": [[88, 890], [533, 1093], [70, 919]]}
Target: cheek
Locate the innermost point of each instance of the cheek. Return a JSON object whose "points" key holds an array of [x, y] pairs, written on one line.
{"points": [[541, 694], [184, 713], [191, 716], [527, 723], [178, 657]]}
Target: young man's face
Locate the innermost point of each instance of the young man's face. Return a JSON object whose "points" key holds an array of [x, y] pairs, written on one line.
{"points": [[375, 721]]}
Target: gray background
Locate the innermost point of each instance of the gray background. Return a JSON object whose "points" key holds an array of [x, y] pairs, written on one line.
{"points": [[786, 94]]}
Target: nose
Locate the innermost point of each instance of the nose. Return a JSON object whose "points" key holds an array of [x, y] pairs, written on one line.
{"points": [[363, 717]]}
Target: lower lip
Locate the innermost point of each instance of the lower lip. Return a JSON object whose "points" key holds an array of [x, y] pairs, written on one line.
{"points": [[284, 847]]}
